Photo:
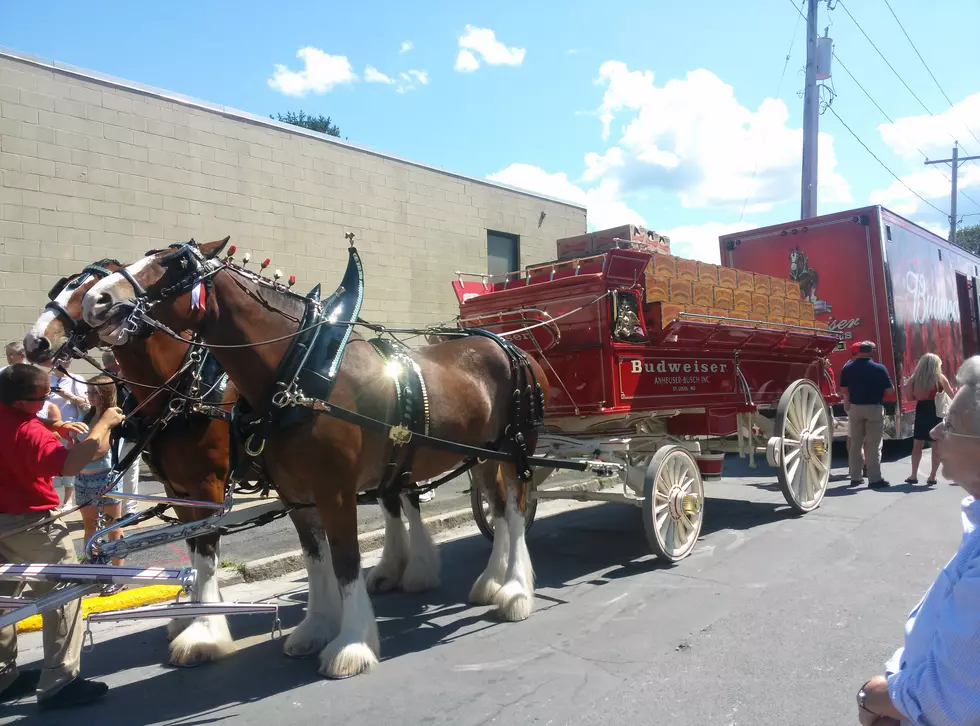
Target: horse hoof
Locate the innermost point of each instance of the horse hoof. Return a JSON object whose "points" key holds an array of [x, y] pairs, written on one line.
{"points": [[177, 626], [421, 579], [201, 642], [513, 603], [484, 592], [349, 660], [309, 638], [384, 577]]}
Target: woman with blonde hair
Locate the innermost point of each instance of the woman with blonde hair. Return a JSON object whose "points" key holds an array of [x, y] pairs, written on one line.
{"points": [[927, 382]]}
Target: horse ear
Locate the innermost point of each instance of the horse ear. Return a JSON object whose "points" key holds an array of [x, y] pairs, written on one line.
{"points": [[213, 249]]}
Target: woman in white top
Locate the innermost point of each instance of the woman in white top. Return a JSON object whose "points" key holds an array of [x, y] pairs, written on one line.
{"points": [[70, 396]]}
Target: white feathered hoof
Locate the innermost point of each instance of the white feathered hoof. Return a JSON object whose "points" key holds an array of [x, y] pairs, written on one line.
{"points": [[177, 626], [309, 638], [202, 641], [484, 591], [422, 574], [344, 659], [513, 603], [385, 576]]}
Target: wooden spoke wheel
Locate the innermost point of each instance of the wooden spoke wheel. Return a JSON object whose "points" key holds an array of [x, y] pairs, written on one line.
{"points": [[673, 503], [483, 511], [800, 447]]}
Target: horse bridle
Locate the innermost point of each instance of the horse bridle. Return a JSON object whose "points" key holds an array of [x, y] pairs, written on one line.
{"points": [[191, 259], [75, 331]]}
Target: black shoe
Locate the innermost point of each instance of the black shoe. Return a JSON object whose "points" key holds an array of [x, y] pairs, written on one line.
{"points": [[857, 482], [880, 484], [77, 693], [25, 684]]}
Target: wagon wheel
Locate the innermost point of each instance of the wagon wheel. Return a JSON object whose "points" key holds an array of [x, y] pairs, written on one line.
{"points": [[800, 445], [673, 503], [483, 512]]}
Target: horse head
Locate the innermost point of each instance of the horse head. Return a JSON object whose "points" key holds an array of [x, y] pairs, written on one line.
{"points": [[163, 281], [60, 328]]}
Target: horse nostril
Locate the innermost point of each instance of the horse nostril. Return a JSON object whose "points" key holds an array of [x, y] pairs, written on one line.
{"points": [[41, 345], [104, 301]]}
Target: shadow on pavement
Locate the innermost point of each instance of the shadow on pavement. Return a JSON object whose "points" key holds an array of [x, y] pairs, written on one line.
{"points": [[597, 544]]}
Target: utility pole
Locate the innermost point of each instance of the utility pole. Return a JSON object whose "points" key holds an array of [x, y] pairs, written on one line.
{"points": [[811, 116], [955, 163]]}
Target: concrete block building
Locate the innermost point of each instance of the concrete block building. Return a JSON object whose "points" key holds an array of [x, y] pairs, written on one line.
{"points": [[93, 166]]}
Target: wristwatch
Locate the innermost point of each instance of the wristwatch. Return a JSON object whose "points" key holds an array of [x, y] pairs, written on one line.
{"points": [[862, 695]]}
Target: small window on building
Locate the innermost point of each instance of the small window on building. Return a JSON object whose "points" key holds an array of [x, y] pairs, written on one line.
{"points": [[888, 232], [503, 253]]}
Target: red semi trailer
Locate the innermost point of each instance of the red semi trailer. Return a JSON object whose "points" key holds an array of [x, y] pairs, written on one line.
{"points": [[873, 275]]}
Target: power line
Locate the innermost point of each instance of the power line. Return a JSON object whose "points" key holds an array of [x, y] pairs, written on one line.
{"points": [[885, 114], [883, 165], [926, 66], [779, 86], [890, 66]]}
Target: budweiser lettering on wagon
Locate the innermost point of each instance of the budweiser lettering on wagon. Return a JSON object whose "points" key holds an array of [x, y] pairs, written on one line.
{"points": [[645, 377], [645, 366]]}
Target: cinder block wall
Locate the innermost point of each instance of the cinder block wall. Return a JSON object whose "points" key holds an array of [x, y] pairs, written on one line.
{"points": [[91, 169]]}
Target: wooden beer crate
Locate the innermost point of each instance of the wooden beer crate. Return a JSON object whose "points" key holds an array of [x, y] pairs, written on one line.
{"points": [[727, 277], [708, 273], [657, 289], [777, 286], [703, 294], [745, 281], [680, 291], [687, 269]]}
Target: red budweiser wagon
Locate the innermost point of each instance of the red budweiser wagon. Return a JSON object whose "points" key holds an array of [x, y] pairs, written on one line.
{"points": [[660, 365]]}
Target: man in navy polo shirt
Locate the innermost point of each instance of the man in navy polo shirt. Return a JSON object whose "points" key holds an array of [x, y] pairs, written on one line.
{"points": [[864, 384]]}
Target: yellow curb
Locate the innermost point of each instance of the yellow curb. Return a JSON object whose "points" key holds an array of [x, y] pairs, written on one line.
{"points": [[120, 601]]}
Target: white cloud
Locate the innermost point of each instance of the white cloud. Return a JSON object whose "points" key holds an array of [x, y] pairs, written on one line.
{"points": [[373, 75], [406, 46], [483, 42], [692, 137], [934, 134], [466, 62], [700, 241], [403, 83], [320, 74], [605, 208]]}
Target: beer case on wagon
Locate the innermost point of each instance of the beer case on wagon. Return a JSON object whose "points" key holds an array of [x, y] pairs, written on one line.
{"points": [[658, 366], [870, 274]]}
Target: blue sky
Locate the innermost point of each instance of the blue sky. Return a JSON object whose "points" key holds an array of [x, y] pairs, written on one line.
{"points": [[683, 88]]}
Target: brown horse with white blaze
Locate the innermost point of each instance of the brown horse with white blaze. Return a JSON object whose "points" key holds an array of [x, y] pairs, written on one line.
{"points": [[191, 458], [249, 324]]}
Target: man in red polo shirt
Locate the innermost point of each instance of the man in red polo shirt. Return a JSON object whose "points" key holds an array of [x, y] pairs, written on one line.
{"points": [[31, 456]]}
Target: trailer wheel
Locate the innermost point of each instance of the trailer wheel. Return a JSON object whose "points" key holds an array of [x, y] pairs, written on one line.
{"points": [[483, 512], [673, 503], [800, 447]]}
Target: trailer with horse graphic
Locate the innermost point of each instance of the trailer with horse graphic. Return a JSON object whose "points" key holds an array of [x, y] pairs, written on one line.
{"points": [[660, 365], [873, 275]]}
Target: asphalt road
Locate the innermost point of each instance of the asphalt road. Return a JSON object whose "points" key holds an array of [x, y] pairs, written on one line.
{"points": [[775, 619]]}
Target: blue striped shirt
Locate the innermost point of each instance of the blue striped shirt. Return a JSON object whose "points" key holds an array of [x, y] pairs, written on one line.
{"points": [[935, 679]]}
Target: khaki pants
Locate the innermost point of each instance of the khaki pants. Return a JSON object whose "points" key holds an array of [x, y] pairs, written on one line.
{"points": [[866, 424], [62, 628]]}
